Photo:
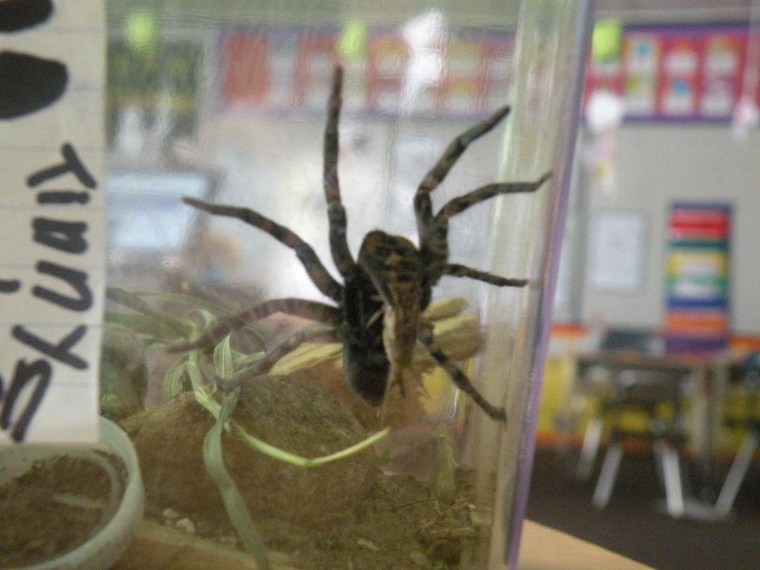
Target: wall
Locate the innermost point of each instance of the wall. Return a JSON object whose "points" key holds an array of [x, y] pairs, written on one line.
{"points": [[658, 164]]}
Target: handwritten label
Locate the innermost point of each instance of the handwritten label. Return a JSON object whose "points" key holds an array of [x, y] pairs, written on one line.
{"points": [[52, 270]]}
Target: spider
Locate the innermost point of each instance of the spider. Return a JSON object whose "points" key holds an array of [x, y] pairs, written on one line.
{"points": [[378, 311]]}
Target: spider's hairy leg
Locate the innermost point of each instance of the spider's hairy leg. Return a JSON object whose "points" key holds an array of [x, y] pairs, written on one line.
{"points": [[459, 378], [330, 173], [306, 254], [336, 212], [313, 310], [285, 347], [461, 203], [436, 246], [422, 205], [457, 270]]}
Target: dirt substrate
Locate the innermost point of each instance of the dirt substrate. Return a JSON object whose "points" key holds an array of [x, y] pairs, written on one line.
{"points": [[55, 507], [347, 514]]}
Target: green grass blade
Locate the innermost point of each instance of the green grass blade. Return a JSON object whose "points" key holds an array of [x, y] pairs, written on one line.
{"points": [[298, 460], [202, 304], [134, 302], [196, 377], [172, 384], [233, 500], [183, 299], [223, 364], [205, 399]]}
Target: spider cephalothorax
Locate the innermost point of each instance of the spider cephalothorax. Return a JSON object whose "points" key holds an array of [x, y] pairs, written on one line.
{"points": [[378, 311]]}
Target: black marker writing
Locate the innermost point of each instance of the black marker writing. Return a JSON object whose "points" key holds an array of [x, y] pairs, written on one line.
{"points": [[40, 372], [71, 163], [63, 197], [29, 83], [60, 234], [73, 277], [17, 15], [9, 285], [70, 291], [59, 351]]}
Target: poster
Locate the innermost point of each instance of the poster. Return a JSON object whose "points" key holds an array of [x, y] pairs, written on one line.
{"points": [[676, 73], [698, 278], [289, 67], [617, 251]]}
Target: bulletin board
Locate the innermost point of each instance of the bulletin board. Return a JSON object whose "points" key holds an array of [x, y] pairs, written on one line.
{"points": [[664, 73], [676, 73], [278, 69]]}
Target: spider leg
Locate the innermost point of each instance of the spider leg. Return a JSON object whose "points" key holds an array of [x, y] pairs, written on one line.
{"points": [[456, 270], [436, 247], [336, 212], [288, 345], [306, 254], [459, 378], [422, 204], [461, 203], [298, 307]]}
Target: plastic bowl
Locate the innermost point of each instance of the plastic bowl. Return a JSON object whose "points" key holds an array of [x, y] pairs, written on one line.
{"points": [[105, 548]]}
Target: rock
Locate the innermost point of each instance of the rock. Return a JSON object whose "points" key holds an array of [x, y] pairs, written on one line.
{"points": [[170, 514], [281, 411], [186, 525]]}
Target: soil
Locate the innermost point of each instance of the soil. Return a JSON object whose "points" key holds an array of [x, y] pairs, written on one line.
{"points": [[54, 507], [347, 514], [397, 525]]}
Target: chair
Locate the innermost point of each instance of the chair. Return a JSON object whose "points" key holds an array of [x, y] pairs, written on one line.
{"points": [[622, 391], [750, 442], [658, 395], [600, 382]]}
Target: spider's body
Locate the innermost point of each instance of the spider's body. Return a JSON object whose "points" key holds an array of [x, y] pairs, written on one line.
{"points": [[378, 311], [394, 266]]}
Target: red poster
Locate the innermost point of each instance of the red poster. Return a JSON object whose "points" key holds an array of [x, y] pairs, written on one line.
{"points": [[679, 86], [724, 55], [246, 77]]}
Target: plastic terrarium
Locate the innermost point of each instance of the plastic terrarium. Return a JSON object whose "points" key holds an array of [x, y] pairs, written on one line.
{"points": [[319, 358]]}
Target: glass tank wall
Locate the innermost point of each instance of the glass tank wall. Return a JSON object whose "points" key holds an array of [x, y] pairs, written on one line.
{"points": [[226, 103]]}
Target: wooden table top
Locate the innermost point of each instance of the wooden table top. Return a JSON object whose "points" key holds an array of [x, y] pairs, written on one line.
{"points": [[543, 548]]}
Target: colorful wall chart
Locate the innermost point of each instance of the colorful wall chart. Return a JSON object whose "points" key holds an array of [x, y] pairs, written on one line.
{"points": [[290, 68], [698, 273], [676, 72], [664, 73]]}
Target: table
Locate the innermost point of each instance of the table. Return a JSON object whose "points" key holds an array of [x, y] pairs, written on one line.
{"points": [[710, 379], [159, 547], [545, 548]]}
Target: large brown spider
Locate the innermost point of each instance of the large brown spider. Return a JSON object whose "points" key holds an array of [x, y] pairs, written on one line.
{"points": [[379, 306]]}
